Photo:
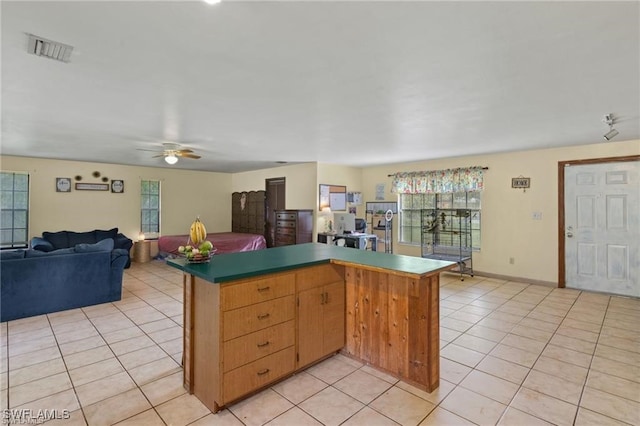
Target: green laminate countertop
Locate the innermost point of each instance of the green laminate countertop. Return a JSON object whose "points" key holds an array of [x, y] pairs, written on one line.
{"points": [[233, 266]]}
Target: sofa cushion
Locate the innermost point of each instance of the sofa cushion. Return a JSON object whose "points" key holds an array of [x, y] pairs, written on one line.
{"points": [[81, 238], [101, 235], [41, 244], [38, 253], [104, 245], [57, 239], [11, 254]]}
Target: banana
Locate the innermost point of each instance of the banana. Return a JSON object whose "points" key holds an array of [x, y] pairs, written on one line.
{"points": [[197, 232]]}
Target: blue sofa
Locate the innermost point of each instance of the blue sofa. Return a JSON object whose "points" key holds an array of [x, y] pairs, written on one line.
{"points": [[51, 241], [35, 283]]}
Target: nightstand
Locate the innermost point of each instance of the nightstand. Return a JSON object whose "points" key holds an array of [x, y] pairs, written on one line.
{"points": [[142, 251]]}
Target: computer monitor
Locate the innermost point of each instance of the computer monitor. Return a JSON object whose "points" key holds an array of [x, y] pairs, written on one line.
{"points": [[344, 222]]}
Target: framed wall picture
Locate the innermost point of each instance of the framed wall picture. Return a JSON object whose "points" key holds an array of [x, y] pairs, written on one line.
{"points": [[92, 186], [117, 186], [63, 184]]}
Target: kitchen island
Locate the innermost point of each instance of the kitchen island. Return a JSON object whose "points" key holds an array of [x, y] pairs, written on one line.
{"points": [[253, 318]]}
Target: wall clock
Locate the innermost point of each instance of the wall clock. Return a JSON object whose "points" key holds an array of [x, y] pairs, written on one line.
{"points": [[117, 186], [63, 184]]}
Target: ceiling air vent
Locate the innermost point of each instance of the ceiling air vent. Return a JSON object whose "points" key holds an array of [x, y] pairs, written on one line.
{"points": [[50, 49]]}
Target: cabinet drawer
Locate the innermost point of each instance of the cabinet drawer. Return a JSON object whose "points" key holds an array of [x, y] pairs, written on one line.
{"points": [[285, 239], [285, 224], [257, 374], [316, 276], [255, 291], [245, 349], [248, 319], [286, 231], [286, 216]]}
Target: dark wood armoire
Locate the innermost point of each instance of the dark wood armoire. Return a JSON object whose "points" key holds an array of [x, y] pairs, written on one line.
{"points": [[248, 212]]}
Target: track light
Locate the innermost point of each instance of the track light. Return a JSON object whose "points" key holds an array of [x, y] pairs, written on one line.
{"points": [[171, 159], [612, 133]]}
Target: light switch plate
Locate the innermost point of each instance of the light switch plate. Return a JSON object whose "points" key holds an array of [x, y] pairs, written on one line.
{"points": [[536, 215]]}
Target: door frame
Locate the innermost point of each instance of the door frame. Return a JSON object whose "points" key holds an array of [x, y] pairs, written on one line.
{"points": [[562, 279], [269, 227]]}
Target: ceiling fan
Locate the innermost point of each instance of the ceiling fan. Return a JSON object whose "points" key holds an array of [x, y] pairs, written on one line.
{"points": [[173, 151]]}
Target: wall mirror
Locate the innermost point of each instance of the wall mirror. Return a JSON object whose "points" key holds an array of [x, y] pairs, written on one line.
{"points": [[333, 196]]}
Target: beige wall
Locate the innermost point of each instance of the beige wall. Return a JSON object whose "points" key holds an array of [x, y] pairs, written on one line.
{"points": [[302, 182], [300, 179], [508, 229], [185, 194]]}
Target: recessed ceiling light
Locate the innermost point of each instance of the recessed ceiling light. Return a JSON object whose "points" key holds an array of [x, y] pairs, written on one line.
{"points": [[281, 162], [212, 1]]}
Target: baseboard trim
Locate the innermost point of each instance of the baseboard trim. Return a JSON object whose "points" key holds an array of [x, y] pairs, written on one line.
{"points": [[518, 279]]}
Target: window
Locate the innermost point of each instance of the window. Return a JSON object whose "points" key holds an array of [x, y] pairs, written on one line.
{"points": [[150, 211], [412, 204], [14, 208]]}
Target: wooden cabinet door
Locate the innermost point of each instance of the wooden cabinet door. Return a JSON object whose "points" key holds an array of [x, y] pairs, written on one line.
{"points": [[333, 317], [321, 327], [310, 330]]}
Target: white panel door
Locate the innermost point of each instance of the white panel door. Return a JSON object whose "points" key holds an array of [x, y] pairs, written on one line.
{"points": [[602, 227]]}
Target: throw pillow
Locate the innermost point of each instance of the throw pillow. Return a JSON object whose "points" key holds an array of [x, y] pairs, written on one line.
{"points": [[81, 238], [38, 253], [57, 239], [101, 235], [104, 245], [11, 254]]}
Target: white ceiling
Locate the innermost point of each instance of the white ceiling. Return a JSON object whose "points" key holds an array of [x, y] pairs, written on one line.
{"points": [[247, 84]]}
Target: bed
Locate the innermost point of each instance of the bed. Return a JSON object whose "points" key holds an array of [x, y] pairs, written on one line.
{"points": [[224, 242]]}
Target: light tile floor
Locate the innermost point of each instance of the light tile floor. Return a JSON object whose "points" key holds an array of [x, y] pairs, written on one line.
{"points": [[511, 354]]}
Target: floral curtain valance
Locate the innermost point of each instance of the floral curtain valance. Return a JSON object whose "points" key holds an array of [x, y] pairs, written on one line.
{"points": [[463, 179]]}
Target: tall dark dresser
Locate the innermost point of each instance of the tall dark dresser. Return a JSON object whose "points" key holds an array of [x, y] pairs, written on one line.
{"points": [[293, 227]]}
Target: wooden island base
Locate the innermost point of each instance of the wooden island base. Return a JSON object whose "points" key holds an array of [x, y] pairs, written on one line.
{"points": [[242, 335]]}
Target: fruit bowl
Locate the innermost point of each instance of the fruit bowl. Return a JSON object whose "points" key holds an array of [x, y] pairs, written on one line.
{"points": [[201, 259]]}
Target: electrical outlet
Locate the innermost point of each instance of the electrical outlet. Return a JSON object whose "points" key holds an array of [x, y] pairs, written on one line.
{"points": [[512, 260], [536, 215]]}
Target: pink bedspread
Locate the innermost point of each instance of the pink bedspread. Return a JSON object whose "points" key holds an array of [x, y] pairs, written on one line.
{"points": [[225, 242]]}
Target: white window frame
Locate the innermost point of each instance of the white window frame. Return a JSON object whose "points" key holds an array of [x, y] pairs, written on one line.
{"points": [[145, 228], [12, 243], [411, 226]]}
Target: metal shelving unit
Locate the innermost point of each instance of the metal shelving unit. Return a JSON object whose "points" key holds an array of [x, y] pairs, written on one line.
{"points": [[380, 222]]}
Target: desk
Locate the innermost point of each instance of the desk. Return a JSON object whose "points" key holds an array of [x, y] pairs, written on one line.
{"points": [[246, 304], [358, 240]]}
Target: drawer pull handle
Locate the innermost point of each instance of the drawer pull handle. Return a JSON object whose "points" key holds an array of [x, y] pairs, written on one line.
{"points": [[264, 288], [262, 345], [263, 316], [263, 372]]}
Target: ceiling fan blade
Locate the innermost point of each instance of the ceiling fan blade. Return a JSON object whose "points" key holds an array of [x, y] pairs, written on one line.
{"points": [[189, 156], [150, 150], [159, 155], [184, 151]]}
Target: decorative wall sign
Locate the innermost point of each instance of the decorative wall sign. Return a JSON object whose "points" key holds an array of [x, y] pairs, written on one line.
{"points": [[92, 186], [520, 182], [117, 186], [63, 184]]}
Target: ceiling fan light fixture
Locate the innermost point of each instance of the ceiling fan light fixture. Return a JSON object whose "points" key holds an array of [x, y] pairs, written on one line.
{"points": [[171, 159]]}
